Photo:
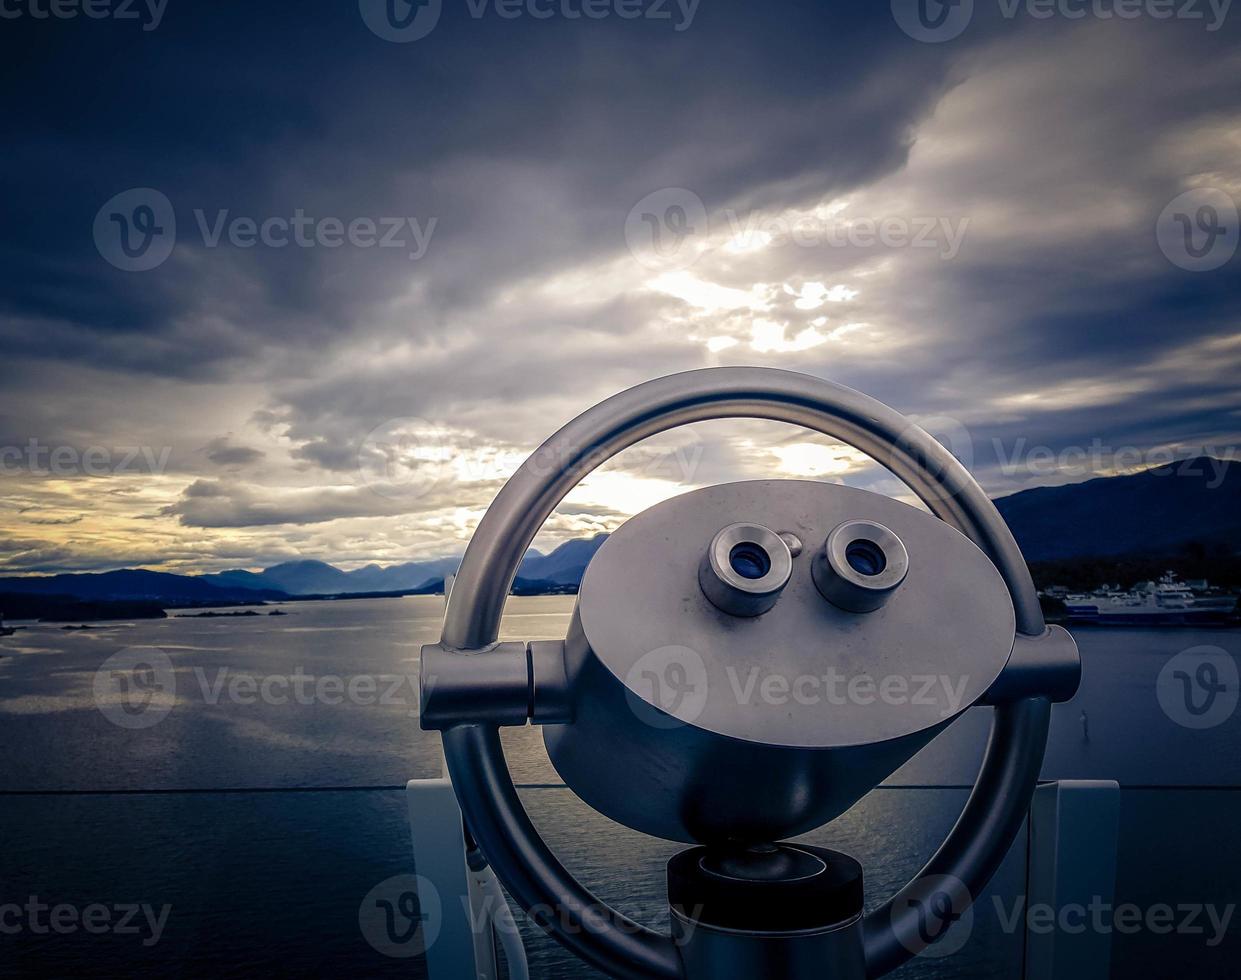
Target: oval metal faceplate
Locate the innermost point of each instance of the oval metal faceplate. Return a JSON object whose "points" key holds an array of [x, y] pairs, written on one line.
{"points": [[805, 673]]}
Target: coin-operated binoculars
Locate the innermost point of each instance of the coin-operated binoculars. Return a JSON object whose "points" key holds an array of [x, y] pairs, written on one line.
{"points": [[723, 683]]}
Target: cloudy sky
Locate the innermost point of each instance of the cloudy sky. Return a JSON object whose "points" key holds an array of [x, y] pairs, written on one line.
{"points": [[310, 280]]}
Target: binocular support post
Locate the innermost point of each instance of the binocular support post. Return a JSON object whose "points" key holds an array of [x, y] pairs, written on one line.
{"points": [[768, 910], [1021, 695]]}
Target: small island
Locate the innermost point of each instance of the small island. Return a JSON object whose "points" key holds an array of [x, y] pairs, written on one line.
{"points": [[215, 614], [72, 609], [212, 614]]}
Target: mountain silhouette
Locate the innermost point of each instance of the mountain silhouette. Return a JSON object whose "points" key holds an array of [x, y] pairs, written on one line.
{"points": [[136, 583], [563, 566], [1157, 512], [1153, 513]]}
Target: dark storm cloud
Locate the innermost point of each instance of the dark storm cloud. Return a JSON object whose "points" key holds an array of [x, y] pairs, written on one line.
{"points": [[233, 504], [506, 154], [526, 140], [221, 452], [31, 554]]}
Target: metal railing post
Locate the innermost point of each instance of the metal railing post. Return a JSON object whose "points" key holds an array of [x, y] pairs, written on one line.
{"points": [[1072, 872]]}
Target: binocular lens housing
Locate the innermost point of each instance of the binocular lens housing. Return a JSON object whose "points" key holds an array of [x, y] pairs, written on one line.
{"points": [[748, 565], [745, 569], [860, 565]]}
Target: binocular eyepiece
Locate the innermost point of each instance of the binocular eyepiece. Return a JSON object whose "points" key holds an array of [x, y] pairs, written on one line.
{"points": [[856, 569]]}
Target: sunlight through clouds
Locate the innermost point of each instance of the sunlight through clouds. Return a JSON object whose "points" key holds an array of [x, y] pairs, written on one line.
{"points": [[769, 336], [815, 294], [710, 297], [624, 493], [817, 460]]}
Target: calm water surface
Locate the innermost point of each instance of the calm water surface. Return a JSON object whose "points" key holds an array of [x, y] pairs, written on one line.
{"points": [[263, 818], [235, 716]]}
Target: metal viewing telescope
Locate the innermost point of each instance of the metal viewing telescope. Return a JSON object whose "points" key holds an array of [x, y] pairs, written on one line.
{"points": [[835, 599]]}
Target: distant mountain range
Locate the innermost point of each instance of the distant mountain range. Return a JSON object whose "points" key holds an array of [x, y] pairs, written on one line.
{"points": [[560, 570], [564, 566], [1195, 503], [1156, 512], [310, 577], [136, 583]]}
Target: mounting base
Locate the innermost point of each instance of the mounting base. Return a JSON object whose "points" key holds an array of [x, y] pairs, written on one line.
{"points": [[777, 911]]}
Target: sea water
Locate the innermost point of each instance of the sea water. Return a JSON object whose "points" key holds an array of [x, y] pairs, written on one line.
{"points": [[251, 807]]}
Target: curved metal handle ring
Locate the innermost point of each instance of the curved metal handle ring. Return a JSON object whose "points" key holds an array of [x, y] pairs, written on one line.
{"points": [[996, 808]]}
